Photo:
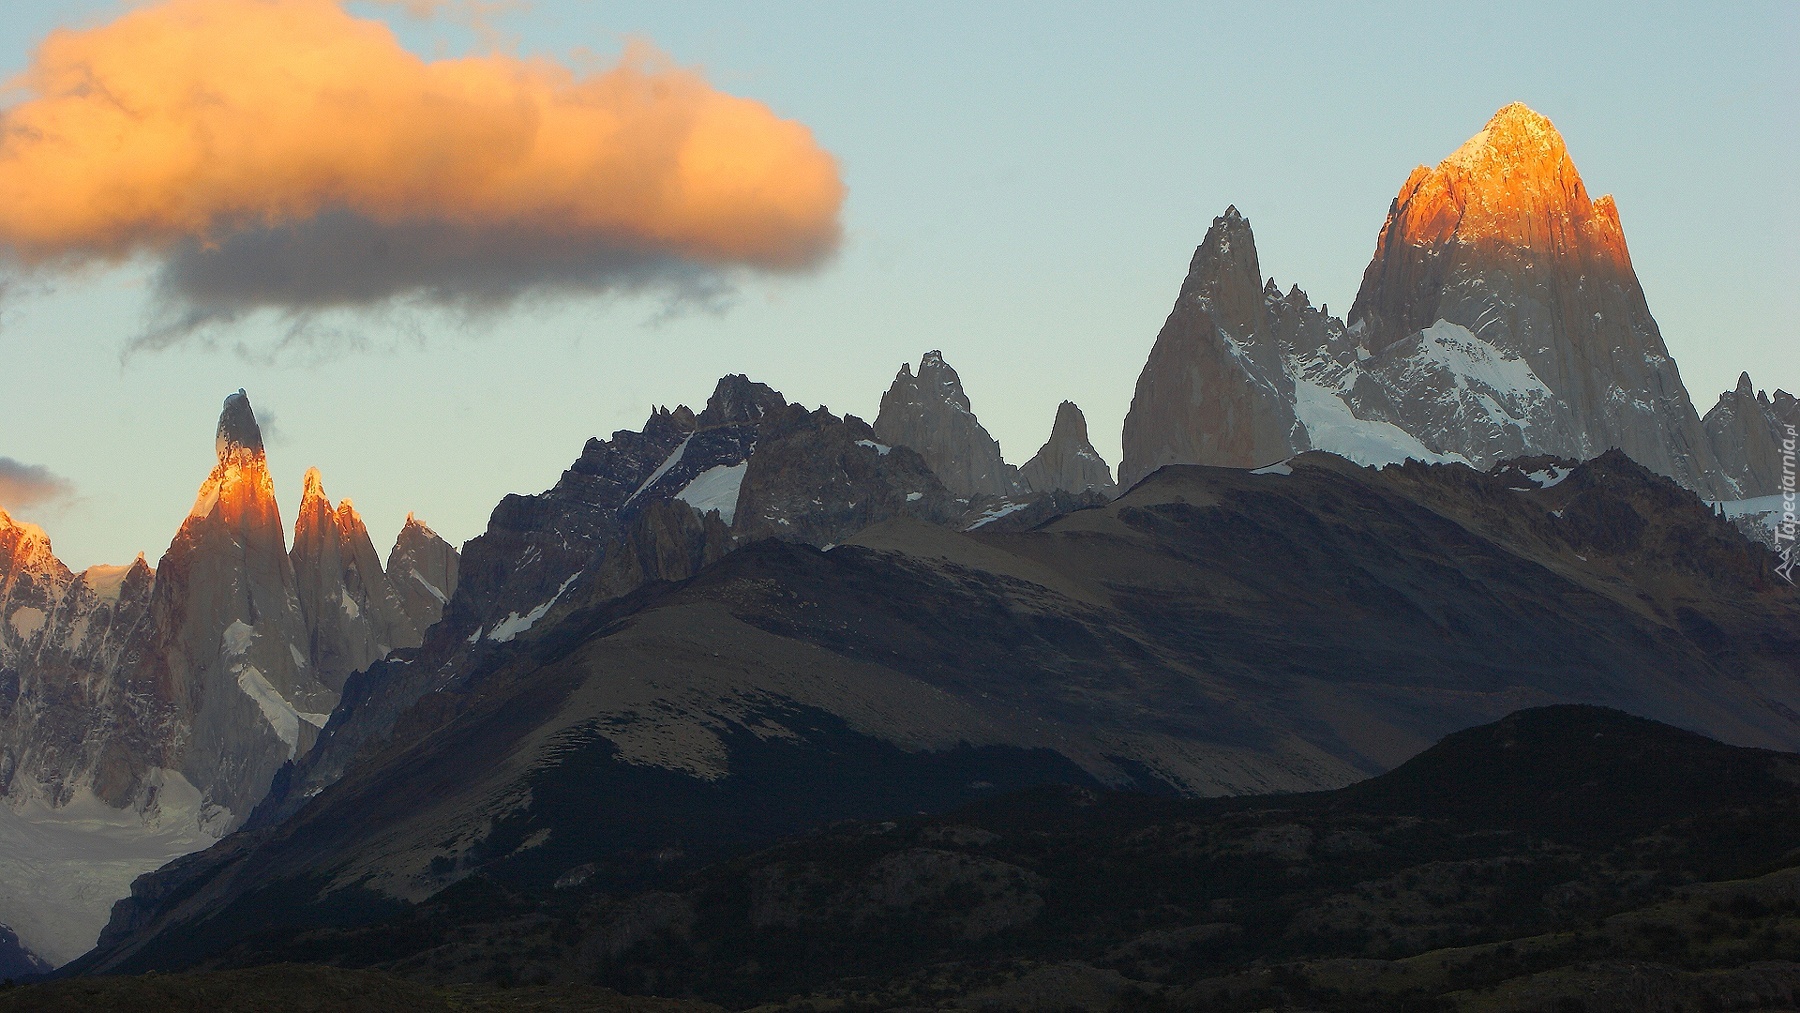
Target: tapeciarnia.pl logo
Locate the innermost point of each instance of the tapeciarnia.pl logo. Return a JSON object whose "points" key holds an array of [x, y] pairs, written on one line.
{"points": [[1784, 531]]}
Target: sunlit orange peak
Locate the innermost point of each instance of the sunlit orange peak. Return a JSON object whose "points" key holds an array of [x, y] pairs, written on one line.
{"points": [[1516, 135]]}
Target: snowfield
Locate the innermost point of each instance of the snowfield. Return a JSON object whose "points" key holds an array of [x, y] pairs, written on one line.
{"points": [[61, 870]]}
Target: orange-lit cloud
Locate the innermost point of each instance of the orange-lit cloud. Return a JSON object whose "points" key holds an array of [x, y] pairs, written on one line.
{"points": [[286, 154]]}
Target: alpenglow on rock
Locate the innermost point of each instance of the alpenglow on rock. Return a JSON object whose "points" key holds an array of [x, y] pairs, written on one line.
{"points": [[1068, 461], [1500, 317], [930, 413], [1214, 390], [353, 615]]}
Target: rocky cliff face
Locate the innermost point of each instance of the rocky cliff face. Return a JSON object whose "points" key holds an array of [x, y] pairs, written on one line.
{"points": [[422, 570], [930, 413], [1214, 390], [1068, 461], [1500, 314], [820, 479], [655, 504], [1745, 429], [228, 630], [63, 637], [353, 615]]}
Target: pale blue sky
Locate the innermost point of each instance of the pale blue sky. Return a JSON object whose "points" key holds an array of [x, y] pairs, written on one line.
{"points": [[1027, 183]]}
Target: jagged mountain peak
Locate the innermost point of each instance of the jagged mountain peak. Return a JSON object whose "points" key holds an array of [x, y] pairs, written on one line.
{"points": [[417, 527], [1068, 460], [25, 531], [1214, 390], [941, 378], [316, 510], [738, 399], [240, 490], [1225, 279], [239, 437], [1745, 428], [312, 487], [1070, 423], [1499, 255], [1511, 185], [932, 414]]}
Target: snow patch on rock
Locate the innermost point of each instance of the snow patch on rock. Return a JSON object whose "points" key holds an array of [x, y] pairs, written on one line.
{"points": [[1333, 427], [105, 581], [661, 470], [281, 715], [515, 624], [27, 621], [717, 488]]}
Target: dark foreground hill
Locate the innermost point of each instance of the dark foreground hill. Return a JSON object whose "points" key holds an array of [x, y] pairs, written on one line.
{"points": [[294, 988], [1564, 858], [1210, 632]]}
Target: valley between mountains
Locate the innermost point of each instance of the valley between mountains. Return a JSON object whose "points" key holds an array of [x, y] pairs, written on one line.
{"points": [[1439, 657]]}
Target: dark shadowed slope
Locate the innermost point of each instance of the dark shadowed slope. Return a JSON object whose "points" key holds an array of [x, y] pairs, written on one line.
{"points": [[1212, 631], [1567, 852]]}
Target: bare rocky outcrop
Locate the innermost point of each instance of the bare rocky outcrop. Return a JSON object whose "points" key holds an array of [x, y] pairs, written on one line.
{"points": [[1215, 390], [669, 541], [1068, 461], [819, 479], [930, 413]]}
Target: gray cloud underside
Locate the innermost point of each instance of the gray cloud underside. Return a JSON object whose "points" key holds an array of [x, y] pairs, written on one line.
{"points": [[340, 260], [24, 485]]}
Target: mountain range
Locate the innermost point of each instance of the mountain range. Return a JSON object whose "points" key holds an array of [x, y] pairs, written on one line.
{"points": [[1329, 546], [144, 712]]}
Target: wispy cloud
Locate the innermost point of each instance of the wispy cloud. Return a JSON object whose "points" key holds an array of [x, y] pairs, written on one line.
{"points": [[23, 486]]}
